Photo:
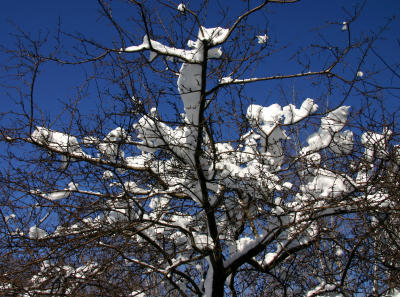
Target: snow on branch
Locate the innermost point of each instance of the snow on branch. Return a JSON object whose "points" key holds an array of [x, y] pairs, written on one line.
{"points": [[229, 80]]}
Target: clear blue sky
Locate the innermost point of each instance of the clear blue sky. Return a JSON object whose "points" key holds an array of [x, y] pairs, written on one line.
{"points": [[291, 24]]}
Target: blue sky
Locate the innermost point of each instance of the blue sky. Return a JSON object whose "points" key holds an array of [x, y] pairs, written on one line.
{"points": [[292, 25]]}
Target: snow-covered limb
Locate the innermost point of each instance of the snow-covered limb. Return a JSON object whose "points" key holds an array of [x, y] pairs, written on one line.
{"points": [[273, 77], [57, 140], [376, 144], [293, 115], [57, 195], [61, 145], [37, 233], [331, 125], [69, 278], [155, 46], [211, 36], [324, 289]]}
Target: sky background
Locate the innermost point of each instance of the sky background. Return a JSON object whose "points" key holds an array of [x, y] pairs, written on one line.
{"points": [[294, 25]]}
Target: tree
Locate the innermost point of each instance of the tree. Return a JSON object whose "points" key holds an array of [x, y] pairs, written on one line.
{"points": [[229, 197]]}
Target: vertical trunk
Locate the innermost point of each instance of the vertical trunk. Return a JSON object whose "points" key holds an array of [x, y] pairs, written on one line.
{"points": [[218, 284], [215, 279]]}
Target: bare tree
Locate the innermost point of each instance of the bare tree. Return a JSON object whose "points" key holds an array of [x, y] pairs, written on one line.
{"points": [[180, 185]]}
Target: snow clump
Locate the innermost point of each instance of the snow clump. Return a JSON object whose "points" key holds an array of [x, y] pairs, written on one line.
{"points": [[262, 38], [181, 7]]}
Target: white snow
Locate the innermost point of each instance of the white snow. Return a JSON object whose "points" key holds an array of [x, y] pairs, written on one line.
{"points": [[379, 199], [323, 288], [63, 143], [57, 195], [9, 217], [243, 245], [90, 141], [214, 36], [181, 7], [139, 161], [162, 49], [394, 293], [202, 241], [214, 53], [158, 203], [182, 220], [326, 184], [152, 132], [339, 251], [37, 233], [269, 257], [208, 280], [226, 80], [342, 142], [137, 48], [83, 271], [152, 56], [189, 88], [375, 144], [313, 160], [137, 294], [131, 186], [264, 118], [331, 124], [190, 74], [336, 119], [293, 115], [110, 147], [262, 38], [107, 175]]}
